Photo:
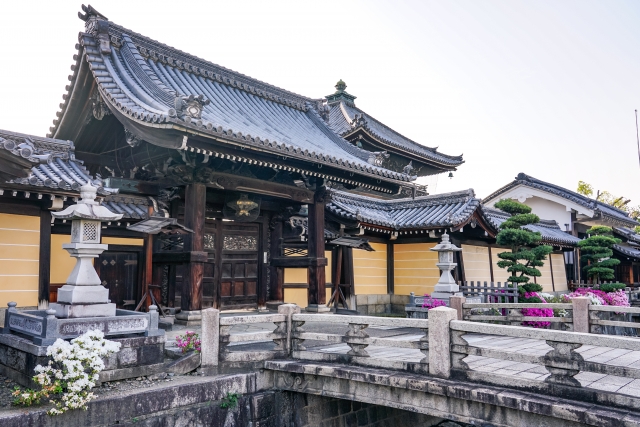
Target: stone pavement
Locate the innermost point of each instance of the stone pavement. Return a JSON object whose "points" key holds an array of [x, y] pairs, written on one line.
{"points": [[610, 383]]}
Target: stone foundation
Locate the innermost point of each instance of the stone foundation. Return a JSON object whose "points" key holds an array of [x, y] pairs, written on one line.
{"points": [[138, 356], [370, 305], [198, 403]]}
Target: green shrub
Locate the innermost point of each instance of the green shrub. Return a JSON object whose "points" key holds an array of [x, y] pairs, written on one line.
{"points": [[611, 287]]}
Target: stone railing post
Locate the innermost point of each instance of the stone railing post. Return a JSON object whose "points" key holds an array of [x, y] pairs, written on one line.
{"points": [[456, 302], [355, 339], [581, 314], [440, 341], [210, 338], [288, 310]]}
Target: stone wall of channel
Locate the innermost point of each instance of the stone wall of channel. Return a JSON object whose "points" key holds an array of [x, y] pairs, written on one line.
{"points": [[307, 410]]}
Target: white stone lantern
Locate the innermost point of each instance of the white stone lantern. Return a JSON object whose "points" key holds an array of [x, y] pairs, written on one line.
{"points": [[83, 295], [446, 286]]}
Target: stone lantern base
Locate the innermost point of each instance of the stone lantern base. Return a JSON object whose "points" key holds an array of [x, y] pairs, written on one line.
{"points": [[70, 311]]}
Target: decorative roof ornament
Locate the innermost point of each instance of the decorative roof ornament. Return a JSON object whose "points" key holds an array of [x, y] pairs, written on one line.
{"points": [[188, 107], [132, 139], [377, 157], [97, 25], [87, 207], [408, 168], [24, 148], [99, 107], [341, 95]]}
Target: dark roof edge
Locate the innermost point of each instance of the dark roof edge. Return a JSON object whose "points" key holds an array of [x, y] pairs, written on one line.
{"points": [[362, 124]]}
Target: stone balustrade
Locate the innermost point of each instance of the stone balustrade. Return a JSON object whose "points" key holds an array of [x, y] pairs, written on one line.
{"points": [[580, 315], [441, 341], [358, 340]]}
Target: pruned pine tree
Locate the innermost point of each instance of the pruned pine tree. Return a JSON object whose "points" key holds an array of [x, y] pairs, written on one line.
{"points": [[596, 251], [526, 251]]}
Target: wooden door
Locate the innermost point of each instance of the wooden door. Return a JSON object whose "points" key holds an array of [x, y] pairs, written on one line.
{"points": [[238, 261], [119, 273]]}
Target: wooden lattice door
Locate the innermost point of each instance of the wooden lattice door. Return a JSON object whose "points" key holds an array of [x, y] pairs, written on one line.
{"points": [[238, 261], [231, 274]]}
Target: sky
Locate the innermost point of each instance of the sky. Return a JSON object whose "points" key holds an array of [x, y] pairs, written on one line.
{"points": [[548, 88]]}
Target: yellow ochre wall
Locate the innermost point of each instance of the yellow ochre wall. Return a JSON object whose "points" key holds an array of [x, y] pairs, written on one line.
{"points": [[370, 270], [414, 268], [298, 296], [19, 255], [62, 263], [545, 279], [559, 272], [476, 263]]}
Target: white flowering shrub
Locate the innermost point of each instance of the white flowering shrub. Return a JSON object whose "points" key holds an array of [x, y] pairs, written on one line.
{"points": [[70, 374]]}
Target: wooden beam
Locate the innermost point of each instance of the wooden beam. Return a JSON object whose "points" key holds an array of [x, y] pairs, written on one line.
{"points": [[147, 271], [263, 265], [226, 181], [275, 251], [194, 218], [317, 295], [298, 262], [97, 159], [44, 261]]}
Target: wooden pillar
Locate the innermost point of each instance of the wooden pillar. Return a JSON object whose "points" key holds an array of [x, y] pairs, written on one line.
{"points": [[390, 269], [277, 273], [147, 270], [44, 271], [194, 218], [317, 295], [262, 264]]}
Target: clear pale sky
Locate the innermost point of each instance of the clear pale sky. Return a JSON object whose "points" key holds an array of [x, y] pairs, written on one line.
{"points": [[547, 88]]}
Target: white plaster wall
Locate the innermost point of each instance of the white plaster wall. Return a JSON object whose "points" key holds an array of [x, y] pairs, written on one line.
{"points": [[547, 209]]}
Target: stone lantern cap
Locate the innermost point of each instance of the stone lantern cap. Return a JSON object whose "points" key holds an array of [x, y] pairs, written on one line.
{"points": [[87, 207], [445, 245]]}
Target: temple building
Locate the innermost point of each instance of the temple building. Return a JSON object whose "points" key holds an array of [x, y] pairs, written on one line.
{"points": [[238, 194], [576, 213]]}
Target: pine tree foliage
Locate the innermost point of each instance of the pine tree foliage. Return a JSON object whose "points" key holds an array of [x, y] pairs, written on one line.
{"points": [[596, 250], [526, 251]]}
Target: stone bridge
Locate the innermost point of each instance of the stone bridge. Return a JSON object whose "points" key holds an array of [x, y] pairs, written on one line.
{"points": [[297, 369]]}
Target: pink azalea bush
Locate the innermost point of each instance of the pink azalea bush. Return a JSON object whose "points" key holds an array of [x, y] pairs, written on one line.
{"points": [[536, 312], [598, 297], [189, 341], [430, 303]]}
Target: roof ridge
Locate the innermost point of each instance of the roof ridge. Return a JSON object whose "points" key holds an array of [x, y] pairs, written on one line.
{"points": [[586, 199], [469, 193]]}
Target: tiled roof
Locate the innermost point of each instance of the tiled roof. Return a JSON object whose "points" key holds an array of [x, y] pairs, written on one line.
{"points": [[55, 165], [607, 212], [131, 207], [627, 251], [550, 231], [440, 210], [627, 233], [56, 169], [345, 119], [154, 85]]}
